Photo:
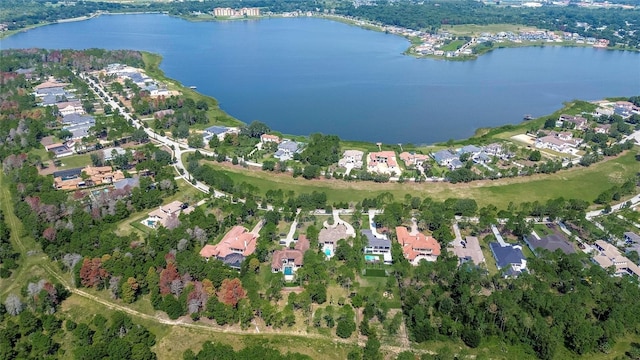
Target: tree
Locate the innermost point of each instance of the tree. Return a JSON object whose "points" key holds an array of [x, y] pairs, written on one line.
{"points": [[256, 129], [139, 136], [231, 292], [129, 290], [64, 134], [195, 141], [13, 304], [91, 273], [535, 156], [269, 165]]}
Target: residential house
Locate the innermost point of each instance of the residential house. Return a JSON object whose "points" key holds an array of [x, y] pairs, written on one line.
{"points": [[383, 162], [218, 131], [551, 243], [127, 183], [377, 246], [469, 149], [110, 153], [447, 158], [417, 247], [602, 129], [165, 213], [509, 258], [288, 261], [467, 250], [68, 179], [268, 138], [78, 125], [287, 149], [352, 158], [609, 256], [579, 122], [99, 175], [560, 142], [70, 107], [330, 235], [59, 150], [412, 159], [234, 247]]}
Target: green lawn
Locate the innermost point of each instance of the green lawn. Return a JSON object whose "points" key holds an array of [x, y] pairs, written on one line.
{"points": [[453, 46], [75, 161], [578, 183]]}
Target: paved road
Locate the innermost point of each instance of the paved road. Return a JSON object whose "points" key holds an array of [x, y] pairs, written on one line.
{"points": [[634, 200]]}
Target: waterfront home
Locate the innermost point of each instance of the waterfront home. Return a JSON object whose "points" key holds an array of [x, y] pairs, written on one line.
{"points": [[234, 247], [550, 242], [287, 149], [352, 158], [467, 250], [219, 131], [413, 159], [509, 258], [578, 122], [383, 162], [229, 12], [376, 247], [444, 157], [162, 215], [288, 261], [417, 246], [469, 149], [609, 256], [560, 142], [268, 138]]}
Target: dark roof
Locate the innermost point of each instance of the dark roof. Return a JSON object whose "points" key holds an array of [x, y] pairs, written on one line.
{"points": [[552, 243], [69, 173], [506, 255], [217, 129], [374, 241], [233, 260], [131, 182]]}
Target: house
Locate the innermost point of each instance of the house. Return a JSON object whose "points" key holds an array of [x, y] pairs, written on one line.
{"points": [[560, 142], [68, 179], [70, 107], [234, 247], [411, 158], [469, 149], [78, 119], [579, 122], [509, 258], [288, 261], [267, 138], [377, 246], [330, 235], [417, 247], [99, 175], [59, 150], [467, 250], [127, 183], [218, 131], [163, 214], [110, 153], [287, 149], [445, 157], [352, 158], [383, 162], [551, 242], [609, 256], [602, 129]]}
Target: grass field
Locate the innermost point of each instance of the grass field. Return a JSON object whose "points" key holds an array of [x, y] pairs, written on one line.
{"points": [[453, 46], [578, 183]]}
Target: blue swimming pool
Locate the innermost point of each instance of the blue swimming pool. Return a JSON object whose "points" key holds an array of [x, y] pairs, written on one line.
{"points": [[370, 258], [288, 271], [327, 251]]}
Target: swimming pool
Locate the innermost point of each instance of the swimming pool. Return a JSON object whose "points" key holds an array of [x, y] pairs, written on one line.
{"points": [[288, 271], [370, 258]]}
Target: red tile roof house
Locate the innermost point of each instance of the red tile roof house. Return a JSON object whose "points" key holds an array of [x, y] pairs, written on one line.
{"points": [[265, 138], [417, 247], [288, 261], [383, 162], [413, 158], [236, 245]]}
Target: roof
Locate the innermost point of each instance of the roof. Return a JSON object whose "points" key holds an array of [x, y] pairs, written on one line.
{"points": [[76, 119], [552, 243], [468, 249], [130, 182], [469, 149], [415, 245], [609, 255], [296, 256], [507, 255], [389, 156], [632, 236], [303, 243], [373, 241], [444, 155], [237, 239], [217, 130], [289, 145], [69, 173]]}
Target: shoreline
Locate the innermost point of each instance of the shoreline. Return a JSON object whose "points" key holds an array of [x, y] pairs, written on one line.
{"points": [[363, 24]]}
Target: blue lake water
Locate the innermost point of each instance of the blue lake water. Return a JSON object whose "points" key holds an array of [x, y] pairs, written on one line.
{"points": [[306, 75]]}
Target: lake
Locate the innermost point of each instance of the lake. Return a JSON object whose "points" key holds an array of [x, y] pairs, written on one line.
{"points": [[305, 75]]}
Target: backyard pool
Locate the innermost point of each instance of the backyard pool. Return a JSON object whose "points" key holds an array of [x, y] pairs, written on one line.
{"points": [[288, 271], [371, 258]]}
